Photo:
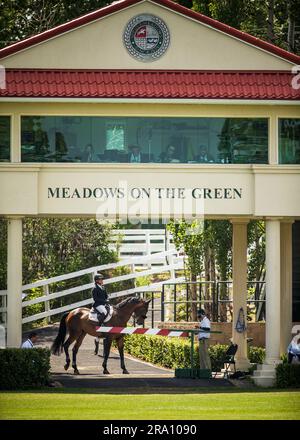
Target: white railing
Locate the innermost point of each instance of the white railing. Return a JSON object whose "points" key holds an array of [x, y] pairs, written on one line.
{"points": [[142, 242], [172, 259]]}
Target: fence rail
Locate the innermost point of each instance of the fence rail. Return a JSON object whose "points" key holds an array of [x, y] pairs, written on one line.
{"points": [[144, 242], [94, 269]]}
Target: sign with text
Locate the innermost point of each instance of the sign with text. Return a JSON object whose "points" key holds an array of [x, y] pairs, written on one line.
{"points": [[139, 192]]}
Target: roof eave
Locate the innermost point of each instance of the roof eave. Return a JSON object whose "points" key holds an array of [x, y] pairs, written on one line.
{"points": [[200, 101]]}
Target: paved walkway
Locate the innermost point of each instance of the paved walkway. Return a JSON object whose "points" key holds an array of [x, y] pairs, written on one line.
{"points": [[142, 374]]}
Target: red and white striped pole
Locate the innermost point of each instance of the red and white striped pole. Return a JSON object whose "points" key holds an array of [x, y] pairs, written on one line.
{"points": [[143, 331]]}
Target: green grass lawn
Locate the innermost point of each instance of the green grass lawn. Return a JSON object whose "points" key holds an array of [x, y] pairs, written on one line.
{"points": [[84, 405]]}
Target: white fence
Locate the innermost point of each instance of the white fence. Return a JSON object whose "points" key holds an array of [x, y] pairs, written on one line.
{"points": [[143, 242], [172, 263]]}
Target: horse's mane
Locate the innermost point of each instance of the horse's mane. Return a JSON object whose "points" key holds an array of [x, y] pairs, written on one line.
{"points": [[131, 300]]}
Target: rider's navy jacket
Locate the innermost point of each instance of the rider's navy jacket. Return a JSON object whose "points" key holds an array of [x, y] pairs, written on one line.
{"points": [[99, 296]]}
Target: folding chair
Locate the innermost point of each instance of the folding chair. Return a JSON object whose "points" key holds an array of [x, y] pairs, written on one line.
{"points": [[228, 359]]}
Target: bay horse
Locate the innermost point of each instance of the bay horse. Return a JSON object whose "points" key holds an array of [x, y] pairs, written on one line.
{"points": [[78, 324]]}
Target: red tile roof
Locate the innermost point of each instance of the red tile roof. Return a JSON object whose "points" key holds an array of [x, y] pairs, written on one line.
{"points": [[120, 5], [155, 84]]}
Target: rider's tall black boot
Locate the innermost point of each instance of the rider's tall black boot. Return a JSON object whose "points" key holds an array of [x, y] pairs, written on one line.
{"points": [[101, 317]]}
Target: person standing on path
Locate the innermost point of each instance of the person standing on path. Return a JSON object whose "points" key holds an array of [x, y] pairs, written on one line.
{"points": [[29, 343], [203, 337]]}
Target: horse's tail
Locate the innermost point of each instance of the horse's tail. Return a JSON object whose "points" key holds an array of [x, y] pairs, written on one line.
{"points": [[58, 343]]}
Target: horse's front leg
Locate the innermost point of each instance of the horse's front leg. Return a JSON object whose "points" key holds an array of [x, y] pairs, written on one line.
{"points": [[107, 345], [96, 340], [120, 343]]}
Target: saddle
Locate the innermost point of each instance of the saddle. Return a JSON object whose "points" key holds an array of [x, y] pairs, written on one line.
{"points": [[93, 314]]}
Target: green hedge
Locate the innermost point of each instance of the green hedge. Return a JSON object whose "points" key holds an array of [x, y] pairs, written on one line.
{"points": [[24, 368], [288, 375], [175, 352]]}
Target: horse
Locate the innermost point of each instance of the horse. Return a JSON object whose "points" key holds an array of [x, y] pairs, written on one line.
{"points": [[78, 324]]}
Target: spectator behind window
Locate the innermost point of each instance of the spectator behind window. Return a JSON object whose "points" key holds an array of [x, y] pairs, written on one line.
{"points": [[169, 156], [88, 154], [136, 156], [203, 156]]}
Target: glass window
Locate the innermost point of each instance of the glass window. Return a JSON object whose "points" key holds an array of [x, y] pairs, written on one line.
{"points": [[4, 138], [142, 140], [115, 136], [289, 141]]}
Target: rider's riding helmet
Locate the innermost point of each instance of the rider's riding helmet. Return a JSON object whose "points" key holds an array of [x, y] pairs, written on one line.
{"points": [[99, 276]]}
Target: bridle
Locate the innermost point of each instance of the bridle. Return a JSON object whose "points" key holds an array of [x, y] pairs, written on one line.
{"points": [[140, 316]]}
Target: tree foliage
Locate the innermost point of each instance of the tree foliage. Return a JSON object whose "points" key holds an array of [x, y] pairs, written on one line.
{"points": [[276, 21], [20, 19], [256, 250], [195, 237], [55, 246], [221, 240], [190, 239]]}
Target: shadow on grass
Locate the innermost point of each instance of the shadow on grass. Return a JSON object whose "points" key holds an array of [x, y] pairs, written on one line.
{"points": [[152, 390]]}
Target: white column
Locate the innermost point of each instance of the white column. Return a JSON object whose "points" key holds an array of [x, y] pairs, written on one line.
{"points": [[273, 288], [239, 276], [286, 284], [14, 282], [265, 373]]}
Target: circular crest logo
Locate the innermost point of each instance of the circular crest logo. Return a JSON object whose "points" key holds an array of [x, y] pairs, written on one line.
{"points": [[146, 37]]}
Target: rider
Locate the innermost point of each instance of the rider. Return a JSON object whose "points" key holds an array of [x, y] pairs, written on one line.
{"points": [[100, 298]]}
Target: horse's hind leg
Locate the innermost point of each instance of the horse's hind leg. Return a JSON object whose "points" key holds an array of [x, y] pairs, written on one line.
{"points": [[66, 346], [75, 350], [120, 344]]}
